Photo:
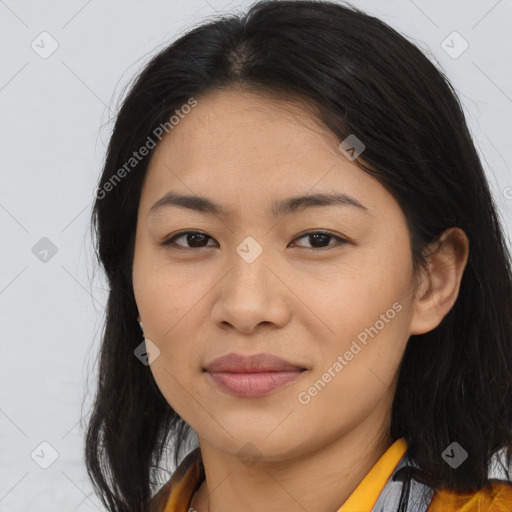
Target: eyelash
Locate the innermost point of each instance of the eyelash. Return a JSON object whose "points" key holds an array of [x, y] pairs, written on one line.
{"points": [[169, 243]]}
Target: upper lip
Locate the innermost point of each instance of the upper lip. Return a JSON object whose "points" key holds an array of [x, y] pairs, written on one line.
{"points": [[240, 363]]}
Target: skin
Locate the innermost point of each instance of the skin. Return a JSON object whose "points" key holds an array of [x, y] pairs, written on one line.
{"points": [[302, 303]]}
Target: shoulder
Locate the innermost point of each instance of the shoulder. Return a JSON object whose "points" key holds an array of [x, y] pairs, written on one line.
{"points": [[160, 499], [497, 496]]}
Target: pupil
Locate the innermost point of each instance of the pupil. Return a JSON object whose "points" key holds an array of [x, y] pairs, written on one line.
{"points": [[195, 235], [318, 236]]}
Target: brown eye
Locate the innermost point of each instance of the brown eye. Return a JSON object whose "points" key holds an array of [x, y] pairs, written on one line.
{"points": [[320, 239], [196, 239]]}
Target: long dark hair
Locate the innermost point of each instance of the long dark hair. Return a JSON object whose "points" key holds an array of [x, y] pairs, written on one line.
{"points": [[359, 76]]}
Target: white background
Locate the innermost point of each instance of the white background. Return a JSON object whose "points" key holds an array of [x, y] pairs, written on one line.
{"points": [[55, 124]]}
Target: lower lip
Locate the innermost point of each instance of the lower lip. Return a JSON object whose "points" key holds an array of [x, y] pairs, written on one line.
{"points": [[253, 383]]}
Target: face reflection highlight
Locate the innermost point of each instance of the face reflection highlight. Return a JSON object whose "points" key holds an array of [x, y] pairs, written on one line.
{"points": [[245, 270]]}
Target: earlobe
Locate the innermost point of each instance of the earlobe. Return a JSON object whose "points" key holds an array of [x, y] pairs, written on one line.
{"points": [[140, 325], [439, 286]]}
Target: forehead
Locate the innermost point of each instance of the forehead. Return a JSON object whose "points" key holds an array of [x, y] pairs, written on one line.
{"points": [[243, 126], [243, 148]]}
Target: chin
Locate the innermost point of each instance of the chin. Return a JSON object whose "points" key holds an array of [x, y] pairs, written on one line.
{"points": [[254, 445]]}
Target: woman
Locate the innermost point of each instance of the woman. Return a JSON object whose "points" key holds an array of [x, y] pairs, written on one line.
{"points": [[293, 213]]}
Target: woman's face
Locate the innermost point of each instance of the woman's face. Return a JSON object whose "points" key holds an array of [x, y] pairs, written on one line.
{"points": [[253, 282]]}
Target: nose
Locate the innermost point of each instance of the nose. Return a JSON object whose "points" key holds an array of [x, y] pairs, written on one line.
{"points": [[252, 294]]}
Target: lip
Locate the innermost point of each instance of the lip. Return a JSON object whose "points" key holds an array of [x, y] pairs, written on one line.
{"points": [[252, 375]]}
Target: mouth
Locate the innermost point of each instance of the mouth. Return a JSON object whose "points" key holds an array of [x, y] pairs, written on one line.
{"points": [[253, 375]]}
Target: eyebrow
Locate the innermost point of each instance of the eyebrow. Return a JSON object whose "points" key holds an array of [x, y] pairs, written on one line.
{"points": [[277, 209]]}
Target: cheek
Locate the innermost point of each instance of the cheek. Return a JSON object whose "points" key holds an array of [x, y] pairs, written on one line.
{"points": [[175, 330], [166, 295], [353, 301], [368, 314], [357, 367], [169, 305]]}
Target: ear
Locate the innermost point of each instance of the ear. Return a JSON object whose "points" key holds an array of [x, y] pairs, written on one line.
{"points": [[439, 287]]}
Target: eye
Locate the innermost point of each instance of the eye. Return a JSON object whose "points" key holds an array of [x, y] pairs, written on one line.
{"points": [[319, 238], [197, 240]]}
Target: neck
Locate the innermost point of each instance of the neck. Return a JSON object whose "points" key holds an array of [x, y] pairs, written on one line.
{"points": [[320, 480]]}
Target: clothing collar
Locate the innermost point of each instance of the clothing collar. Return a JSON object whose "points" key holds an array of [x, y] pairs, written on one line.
{"points": [[177, 494], [379, 491], [366, 494]]}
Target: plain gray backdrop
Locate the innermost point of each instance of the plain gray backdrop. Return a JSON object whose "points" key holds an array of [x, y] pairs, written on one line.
{"points": [[64, 66]]}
